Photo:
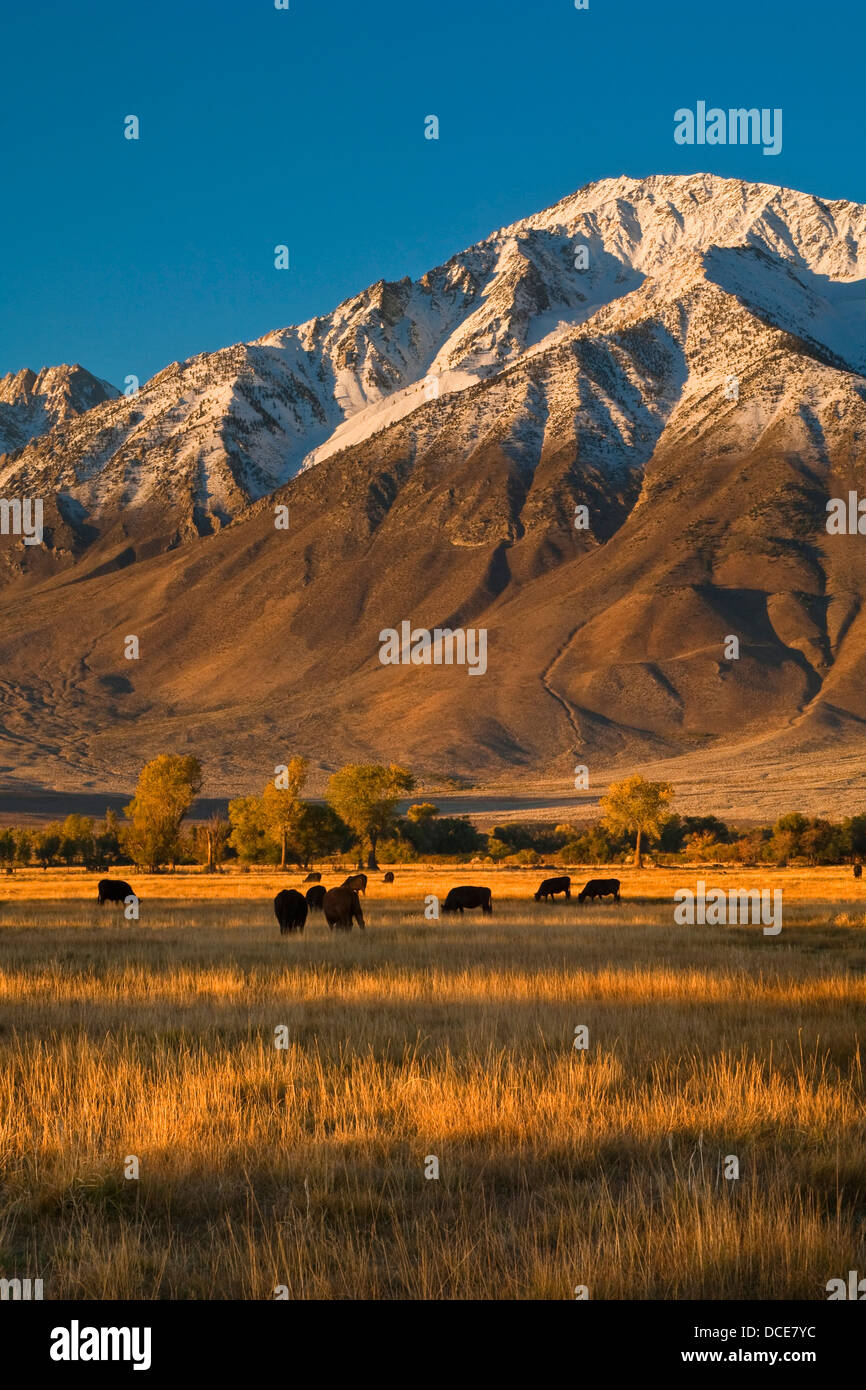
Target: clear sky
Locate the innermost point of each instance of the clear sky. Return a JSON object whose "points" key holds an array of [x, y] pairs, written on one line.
{"points": [[305, 127]]}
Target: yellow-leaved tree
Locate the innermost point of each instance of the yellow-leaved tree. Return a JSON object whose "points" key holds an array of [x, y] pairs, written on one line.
{"points": [[638, 807], [167, 787]]}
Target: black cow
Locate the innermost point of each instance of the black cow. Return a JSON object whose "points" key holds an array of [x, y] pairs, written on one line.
{"points": [[290, 910], [468, 896], [113, 890], [356, 881], [551, 886], [315, 897], [389, 877], [600, 888], [342, 907], [313, 878], [858, 870]]}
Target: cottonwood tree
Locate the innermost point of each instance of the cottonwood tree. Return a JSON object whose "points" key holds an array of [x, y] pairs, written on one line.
{"points": [[46, 843], [22, 847], [166, 789], [282, 807], [638, 807], [249, 837], [77, 839], [366, 796], [320, 831]]}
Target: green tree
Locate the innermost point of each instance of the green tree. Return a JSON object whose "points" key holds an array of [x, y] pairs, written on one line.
{"points": [[822, 842], [434, 834], [167, 787], [788, 833], [46, 844], [249, 836], [365, 796], [23, 847], [854, 832], [496, 848], [319, 832], [7, 849], [456, 835], [594, 846], [76, 839], [281, 806], [638, 807]]}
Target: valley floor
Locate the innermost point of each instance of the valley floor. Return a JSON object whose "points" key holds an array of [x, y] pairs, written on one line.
{"points": [[305, 1166]]}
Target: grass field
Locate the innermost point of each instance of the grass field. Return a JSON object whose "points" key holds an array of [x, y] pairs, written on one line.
{"points": [[305, 1167]]}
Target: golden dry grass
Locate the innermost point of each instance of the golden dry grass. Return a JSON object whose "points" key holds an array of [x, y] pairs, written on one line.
{"points": [[305, 1167]]}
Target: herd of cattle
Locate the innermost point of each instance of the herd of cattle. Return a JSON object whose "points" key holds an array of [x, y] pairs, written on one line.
{"points": [[342, 906]]}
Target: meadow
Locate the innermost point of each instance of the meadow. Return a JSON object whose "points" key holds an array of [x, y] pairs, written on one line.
{"points": [[304, 1166]]}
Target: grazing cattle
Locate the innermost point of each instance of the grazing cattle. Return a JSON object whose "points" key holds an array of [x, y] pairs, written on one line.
{"points": [[341, 907], [315, 897], [313, 878], [356, 881], [113, 890], [551, 886], [389, 877], [290, 910], [858, 870], [600, 888], [468, 896]]}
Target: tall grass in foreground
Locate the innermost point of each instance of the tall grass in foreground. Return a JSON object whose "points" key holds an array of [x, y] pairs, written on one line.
{"points": [[305, 1167]]}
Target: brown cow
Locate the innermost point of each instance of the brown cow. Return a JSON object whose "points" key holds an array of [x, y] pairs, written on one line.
{"points": [[341, 907], [290, 910], [551, 886], [356, 881], [600, 888], [113, 890], [468, 895]]}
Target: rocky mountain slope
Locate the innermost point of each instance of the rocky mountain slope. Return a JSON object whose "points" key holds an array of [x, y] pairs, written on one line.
{"points": [[31, 405], [698, 387]]}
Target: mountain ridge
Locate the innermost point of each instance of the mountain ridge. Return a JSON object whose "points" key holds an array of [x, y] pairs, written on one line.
{"points": [[556, 388]]}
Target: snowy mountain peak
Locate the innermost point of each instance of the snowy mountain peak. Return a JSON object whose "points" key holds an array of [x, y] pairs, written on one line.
{"points": [[33, 403], [692, 273]]}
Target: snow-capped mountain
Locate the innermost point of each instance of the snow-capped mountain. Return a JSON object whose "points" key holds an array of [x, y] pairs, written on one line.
{"points": [[683, 356], [225, 428], [31, 404]]}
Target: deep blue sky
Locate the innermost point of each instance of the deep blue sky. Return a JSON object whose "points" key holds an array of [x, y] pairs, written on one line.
{"points": [[305, 127]]}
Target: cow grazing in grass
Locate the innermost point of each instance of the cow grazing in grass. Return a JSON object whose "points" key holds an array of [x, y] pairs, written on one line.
{"points": [[290, 910], [356, 881], [600, 888], [551, 886], [389, 877], [342, 907], [468, 895], [113, 890], [315, 897], [313, 878]]}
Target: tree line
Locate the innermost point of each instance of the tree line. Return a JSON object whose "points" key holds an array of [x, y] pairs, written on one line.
{"points": [[359, 815], [278, 826]]}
